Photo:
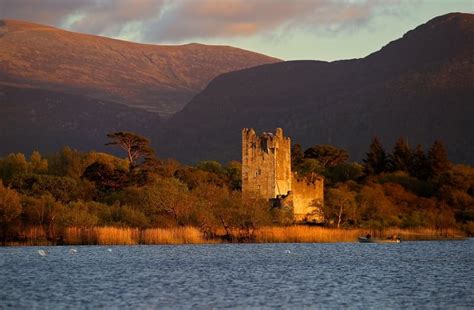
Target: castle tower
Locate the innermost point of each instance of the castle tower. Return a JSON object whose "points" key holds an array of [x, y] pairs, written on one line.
{"points": [[266, 163], [266, 171]]}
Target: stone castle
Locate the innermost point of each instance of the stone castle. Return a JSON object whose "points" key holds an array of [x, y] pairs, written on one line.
{"points": [[266, 171]]}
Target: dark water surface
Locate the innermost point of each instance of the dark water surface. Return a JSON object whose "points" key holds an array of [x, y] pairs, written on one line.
{"points": [[418, 275]]}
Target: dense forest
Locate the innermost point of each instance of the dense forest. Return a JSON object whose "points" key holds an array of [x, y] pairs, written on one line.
{"points": [[405, 188]]}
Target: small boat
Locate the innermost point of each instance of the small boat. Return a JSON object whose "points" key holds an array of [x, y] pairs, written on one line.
{"points": [[378, 240]]}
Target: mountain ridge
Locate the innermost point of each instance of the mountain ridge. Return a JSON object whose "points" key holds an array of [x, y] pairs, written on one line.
{"points": [[418, 86], [159, 78]]}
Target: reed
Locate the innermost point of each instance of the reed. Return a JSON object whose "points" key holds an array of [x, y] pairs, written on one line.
{"points": [[306, 234], [178, 235], [35, 235], [191, 235], [117, 236], [422, 234], [77, 236]]}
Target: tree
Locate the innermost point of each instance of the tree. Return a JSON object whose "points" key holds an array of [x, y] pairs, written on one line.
{"points": [[129, 216], [419, 166], [10, 210], [44, 211], [106, 177], [61, 188], [308, 166], [327, 155], [377, 211], [234, 173], [444, 219], [438, 159], [340, 204], [240, 215], [77, 214], [343, 172], [170, 197], [12, 165], [296, 154], [67, 162], [136, 146], [207, 197], [376, 159], [37, 163], [211, 166], [193, 177], [401, 158]]}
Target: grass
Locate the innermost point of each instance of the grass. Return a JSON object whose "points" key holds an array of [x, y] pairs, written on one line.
{"points": [[117, 236], [306, 234], [179, 235], [424, 234], [191, 235]]}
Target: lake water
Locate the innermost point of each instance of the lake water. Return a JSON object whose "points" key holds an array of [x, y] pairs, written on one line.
{"points": [[365, 276]]}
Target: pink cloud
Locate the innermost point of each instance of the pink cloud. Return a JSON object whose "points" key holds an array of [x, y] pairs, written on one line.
{"points": [[179, 20]]}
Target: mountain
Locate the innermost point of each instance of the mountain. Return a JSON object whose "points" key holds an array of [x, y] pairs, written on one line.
{"points": [[156, 78], [420, 86], [35, 119]]}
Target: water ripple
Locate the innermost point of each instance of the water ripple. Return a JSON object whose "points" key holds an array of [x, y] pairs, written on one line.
{"points": [[361, 276]]}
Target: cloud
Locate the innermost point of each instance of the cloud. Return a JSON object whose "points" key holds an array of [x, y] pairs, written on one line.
{"points": [[181, 20], [111, 17], [216, 18], [106, 17], [51, 12]]}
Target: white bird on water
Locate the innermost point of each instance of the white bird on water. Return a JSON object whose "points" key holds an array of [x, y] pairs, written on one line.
{"points": [[109, 250], [288, 252], [43, 252], [72, 251]]}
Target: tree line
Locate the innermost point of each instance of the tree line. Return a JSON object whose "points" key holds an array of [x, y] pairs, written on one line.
{"points": [[407, 188], [404, 188]]}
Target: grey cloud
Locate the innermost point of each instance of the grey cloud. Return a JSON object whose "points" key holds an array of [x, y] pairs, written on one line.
{"points": [[190, 19], [50, 12], [179, 20], [110, 17], [107, 17]]}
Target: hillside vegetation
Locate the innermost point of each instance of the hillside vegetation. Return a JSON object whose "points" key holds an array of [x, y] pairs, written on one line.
{"points": [[95, 198]]}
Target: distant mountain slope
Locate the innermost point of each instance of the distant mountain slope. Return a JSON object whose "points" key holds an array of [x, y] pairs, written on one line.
{"points": [[420, 86], [157, 78], [33, 119]]}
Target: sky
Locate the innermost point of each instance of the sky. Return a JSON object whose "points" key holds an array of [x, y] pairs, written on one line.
{"points": [[286, 29]]}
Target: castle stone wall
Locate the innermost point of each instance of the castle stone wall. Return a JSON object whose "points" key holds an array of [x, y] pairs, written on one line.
{"points": [[266, 163], [266, 171], [306, 192]]}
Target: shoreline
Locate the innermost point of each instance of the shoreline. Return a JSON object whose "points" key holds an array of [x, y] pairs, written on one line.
{"points": [[110, 236]]}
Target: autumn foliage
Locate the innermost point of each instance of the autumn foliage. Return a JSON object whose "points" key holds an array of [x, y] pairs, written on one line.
{"points": [[95, 198]]}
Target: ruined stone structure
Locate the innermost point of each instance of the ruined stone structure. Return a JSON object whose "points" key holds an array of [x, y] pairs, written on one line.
{"points": [[266, 171]]}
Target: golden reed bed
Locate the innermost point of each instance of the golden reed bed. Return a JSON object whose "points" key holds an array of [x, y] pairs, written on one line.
{"points": [[192, 235]]}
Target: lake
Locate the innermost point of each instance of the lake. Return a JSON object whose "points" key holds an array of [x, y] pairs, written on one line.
{"points": [[338, 275]]}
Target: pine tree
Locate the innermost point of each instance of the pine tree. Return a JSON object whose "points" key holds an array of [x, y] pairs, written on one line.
{"points": [[419, 168], [401, 159], [438, 159], [376, 160], [134, 145]]}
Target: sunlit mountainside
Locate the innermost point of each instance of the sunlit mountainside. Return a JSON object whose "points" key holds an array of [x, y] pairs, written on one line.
{"points": [[153, 77]]}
